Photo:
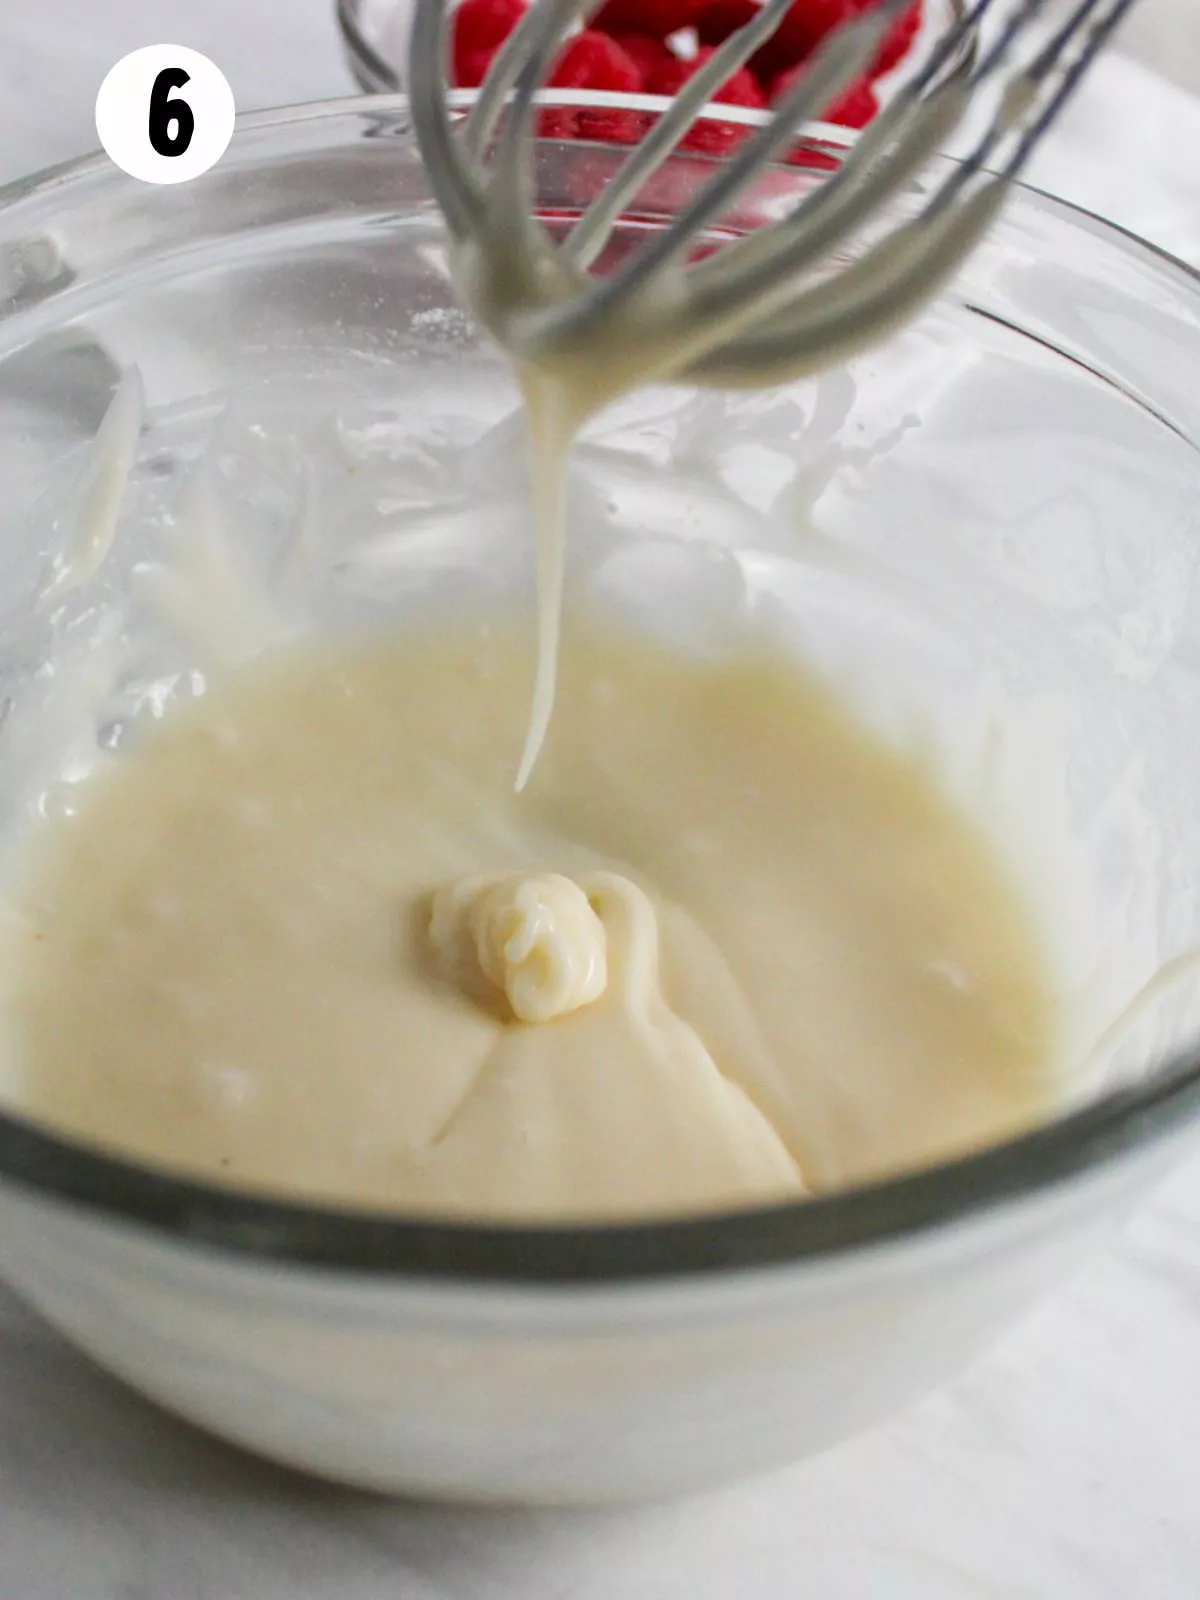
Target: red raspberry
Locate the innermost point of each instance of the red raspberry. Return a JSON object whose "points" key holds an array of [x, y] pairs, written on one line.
{"points": [[480, 27], [592, 60], [899, 40], [611, 127], [807, 22], [471, 67], [739, 90], [658, 18], [479, 23], [855, 109], [714, 138], [646, 52], [721, 18], [591, 122], [804, 25], [670, 77], [557, 122]]}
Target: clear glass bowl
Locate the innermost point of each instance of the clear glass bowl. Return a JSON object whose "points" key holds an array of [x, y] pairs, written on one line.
{"points": [[1000, 502]]}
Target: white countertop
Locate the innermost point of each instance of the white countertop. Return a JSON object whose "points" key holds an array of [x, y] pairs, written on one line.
{"points": [[1066, 1467]]}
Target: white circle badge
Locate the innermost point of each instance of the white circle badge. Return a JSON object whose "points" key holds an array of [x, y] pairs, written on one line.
{"points": [[165, 113]]}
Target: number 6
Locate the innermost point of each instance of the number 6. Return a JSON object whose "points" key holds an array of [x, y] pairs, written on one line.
{"points": [[164, 111]]}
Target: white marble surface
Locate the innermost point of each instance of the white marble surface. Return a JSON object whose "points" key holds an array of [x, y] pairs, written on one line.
{"points": [[1064, 1468]]}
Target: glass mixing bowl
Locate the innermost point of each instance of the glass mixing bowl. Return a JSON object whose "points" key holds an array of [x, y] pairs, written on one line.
{"points": [[998, 508]]}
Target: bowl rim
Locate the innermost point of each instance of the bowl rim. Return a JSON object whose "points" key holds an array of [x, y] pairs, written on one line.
{"points": [[260, 1227]]}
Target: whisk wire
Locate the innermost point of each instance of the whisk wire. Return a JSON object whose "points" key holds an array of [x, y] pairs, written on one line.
{"points": [[542, 21], [457, 191], [841, 59], [938, 248], [591, 233], [905, 135], [753, 306], [1096, 42], [1026, 111], [513, 191], [893, 145]]}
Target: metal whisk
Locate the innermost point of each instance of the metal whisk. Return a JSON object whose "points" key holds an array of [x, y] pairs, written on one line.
{"points": [[790, 296]]}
